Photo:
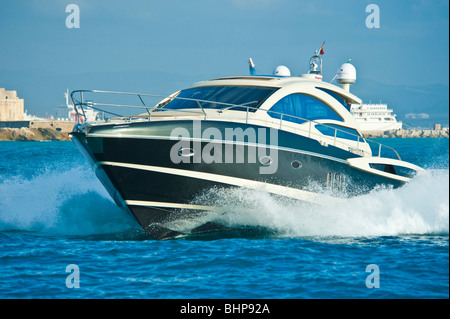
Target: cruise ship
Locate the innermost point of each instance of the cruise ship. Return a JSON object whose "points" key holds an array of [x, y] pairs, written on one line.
{"points": [[375, 117]]}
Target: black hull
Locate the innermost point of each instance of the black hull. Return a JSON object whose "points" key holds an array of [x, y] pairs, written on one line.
{"points": [[140, 175]]}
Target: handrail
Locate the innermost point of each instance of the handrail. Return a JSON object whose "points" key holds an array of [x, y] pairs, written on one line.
{"points": [[229, 106]]}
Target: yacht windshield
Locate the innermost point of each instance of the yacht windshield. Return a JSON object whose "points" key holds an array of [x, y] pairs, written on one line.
{"points": [[212, 97]]}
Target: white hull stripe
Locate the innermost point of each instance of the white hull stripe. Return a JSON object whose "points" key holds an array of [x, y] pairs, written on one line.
{"points": [[167, 205], [236, 181]]}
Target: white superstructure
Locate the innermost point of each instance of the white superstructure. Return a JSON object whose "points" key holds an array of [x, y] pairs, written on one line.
{"points": [[68, 113], [375, 117]]}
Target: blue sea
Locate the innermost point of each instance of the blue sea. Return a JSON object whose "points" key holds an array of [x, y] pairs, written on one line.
{"points": [[61, 236]]}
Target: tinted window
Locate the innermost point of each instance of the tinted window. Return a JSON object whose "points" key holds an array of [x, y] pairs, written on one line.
{"points": [[251, 96], [393, 169], [341, 132], [302, 106], [337, 97]]}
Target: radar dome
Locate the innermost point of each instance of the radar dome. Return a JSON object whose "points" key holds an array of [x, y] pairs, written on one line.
{"points": [[281, 70], [346, 74]]}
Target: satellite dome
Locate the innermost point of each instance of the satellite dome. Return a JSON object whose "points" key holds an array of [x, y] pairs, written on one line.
{"points": [[346, 74], [281, 70]]}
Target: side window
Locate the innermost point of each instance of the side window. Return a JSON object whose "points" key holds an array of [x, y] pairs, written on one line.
{"points": [[299, 108], [289, 105], [345, 103], [341, 132]]}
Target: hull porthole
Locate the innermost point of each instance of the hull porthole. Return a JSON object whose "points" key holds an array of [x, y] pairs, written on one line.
{"points": [[296, 164], [186, 152], [266, 160]]}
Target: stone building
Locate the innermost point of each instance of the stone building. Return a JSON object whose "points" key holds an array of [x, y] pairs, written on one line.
{"points": [[11, 107]]}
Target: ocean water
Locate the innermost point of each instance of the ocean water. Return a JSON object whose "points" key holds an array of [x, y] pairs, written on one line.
{"points": [[57, 223]]}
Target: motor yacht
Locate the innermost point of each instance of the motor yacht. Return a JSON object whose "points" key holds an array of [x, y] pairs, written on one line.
{"points": [[289, 136]]}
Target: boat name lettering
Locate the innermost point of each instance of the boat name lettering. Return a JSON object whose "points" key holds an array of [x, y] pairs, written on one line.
{"points": [[356, 151]]}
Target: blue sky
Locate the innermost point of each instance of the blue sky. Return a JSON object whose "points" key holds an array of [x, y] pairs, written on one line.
{"points": [[198, 39]]}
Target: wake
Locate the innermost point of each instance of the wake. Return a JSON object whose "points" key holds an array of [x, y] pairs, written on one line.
{"points": [[73, 202], [419, 207]]}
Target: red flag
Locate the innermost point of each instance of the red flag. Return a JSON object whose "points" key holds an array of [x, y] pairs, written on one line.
{"points": [[321, 48]]}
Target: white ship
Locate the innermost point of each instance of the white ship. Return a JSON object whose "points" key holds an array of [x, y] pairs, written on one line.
{"points": [[68, 113], [375, 117], [370, 117]]}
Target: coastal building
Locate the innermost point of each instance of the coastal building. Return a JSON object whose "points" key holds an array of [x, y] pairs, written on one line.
{"points": [[11, 106]]}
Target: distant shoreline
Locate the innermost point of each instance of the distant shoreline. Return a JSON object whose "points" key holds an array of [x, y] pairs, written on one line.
{"points": [[51, 134], [35, 130], [412, 133], [33, 134]]}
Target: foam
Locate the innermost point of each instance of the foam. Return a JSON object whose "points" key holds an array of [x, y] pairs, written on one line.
{"points": [[419, 207], [73, 202], [69, 202]]}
